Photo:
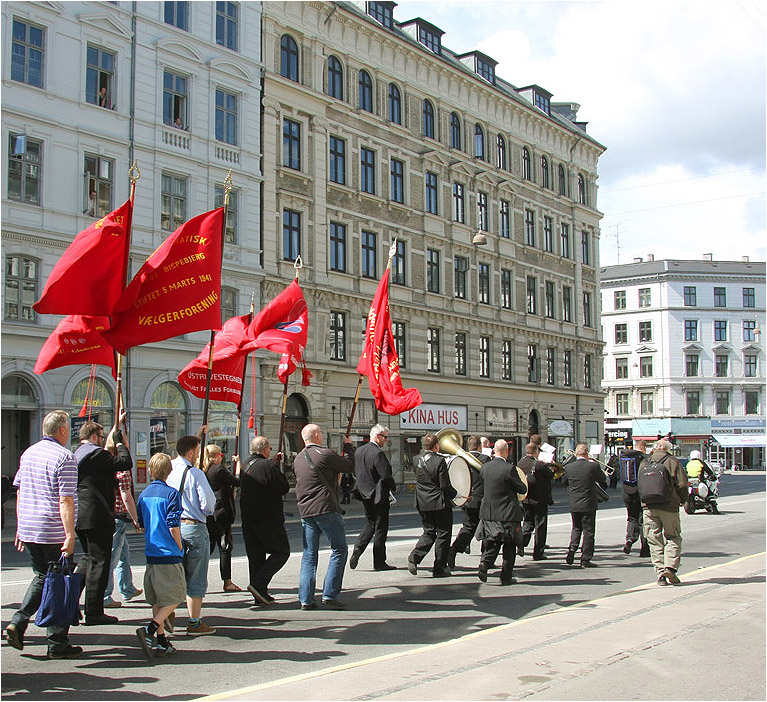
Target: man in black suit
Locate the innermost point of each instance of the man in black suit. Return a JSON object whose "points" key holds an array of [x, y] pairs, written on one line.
{"points": [[262, 486], [581, 477], [433, 495], [536, 504], [471, 508], [98, 460], [500, 513], [374, 482]]}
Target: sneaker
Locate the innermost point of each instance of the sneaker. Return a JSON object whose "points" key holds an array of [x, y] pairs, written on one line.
{"points": [[570, 557], [68, 652], [671, 576], [482, 573], [145, 640], [260, 597], [136, 593], [14, 637], [112, 604], [308, 605], [162, 651], [662, 580], [627, 547], [202, 629], [170, 623], [334, 604], [412, 567]]}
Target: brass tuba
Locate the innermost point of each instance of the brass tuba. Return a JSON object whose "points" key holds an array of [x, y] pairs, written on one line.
{"points": [[450, 440]]}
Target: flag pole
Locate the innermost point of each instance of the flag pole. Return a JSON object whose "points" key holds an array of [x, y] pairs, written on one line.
{"points": [[134, 173], [242, 391], [298, 264], [206, 403], [392, 252]]}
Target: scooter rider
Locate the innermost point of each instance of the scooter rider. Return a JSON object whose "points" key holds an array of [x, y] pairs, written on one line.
{"points": [[697, 469]]}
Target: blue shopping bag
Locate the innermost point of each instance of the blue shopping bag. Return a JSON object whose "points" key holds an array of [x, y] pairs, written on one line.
{"points": [[60, 604]]}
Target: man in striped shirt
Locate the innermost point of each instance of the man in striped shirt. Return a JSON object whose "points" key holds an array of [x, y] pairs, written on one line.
{"points": [[46, 511]]}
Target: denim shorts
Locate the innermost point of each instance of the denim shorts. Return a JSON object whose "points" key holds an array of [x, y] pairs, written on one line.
{"points": [[196, 558]]}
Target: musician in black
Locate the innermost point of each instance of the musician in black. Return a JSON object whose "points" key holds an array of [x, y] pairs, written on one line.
{"points": [[536, 504], [471, 507], [433, 493]]}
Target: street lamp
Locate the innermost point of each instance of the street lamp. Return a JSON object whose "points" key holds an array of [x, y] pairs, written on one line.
{"points": [[479, 239]]}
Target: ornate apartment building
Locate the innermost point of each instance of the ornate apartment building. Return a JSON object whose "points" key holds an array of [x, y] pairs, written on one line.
{"points": [[374, 131]]}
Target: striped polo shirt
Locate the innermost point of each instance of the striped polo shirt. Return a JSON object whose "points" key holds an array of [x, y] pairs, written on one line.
{"points": [[47, 471]]}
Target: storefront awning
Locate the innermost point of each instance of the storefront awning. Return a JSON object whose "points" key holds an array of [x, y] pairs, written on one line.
{"points": [[730, 440]]}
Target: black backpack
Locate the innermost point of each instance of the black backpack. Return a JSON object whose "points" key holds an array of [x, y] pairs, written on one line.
{"points": [[654, 483], [629, 467]]}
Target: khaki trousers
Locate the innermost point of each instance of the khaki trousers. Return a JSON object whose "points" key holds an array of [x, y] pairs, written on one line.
{"points": [[663, 531]]}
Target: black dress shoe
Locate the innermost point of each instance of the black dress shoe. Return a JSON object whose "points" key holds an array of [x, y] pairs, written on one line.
{"points": [[100, 620], [510, 581], [451, 557], [444, 573], [385, 566], [540, 557], [14, 637], [627, 547], [354, 559], [570, 557], [588, 564], [68, 652], [412, 567], [482, 573], [309, 605], [334, 604]]}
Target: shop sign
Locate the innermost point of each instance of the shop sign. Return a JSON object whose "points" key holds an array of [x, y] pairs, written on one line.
{"points": [[618, 436], [737, 426], [435, 417], [560, 427]]}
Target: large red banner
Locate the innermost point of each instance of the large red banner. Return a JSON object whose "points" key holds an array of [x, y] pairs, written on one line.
{"points": [[77, 340]]}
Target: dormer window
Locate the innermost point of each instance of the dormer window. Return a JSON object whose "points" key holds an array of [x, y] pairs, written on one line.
{"points": [[481, 64], [382, 12], [543, 103], [431, 40], [537, 96], [424, 33], [486, 70]]}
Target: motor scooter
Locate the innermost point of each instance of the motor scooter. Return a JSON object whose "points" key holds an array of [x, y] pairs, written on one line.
{"points": [[702, 495]]}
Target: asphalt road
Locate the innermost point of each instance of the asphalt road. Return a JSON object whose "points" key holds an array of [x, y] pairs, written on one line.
{"points": [[389, 613]]}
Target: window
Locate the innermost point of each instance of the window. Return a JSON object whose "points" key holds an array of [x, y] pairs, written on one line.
{"points": [[398, 268], [227, 18], [752, 402], [479, 141], [399, 335], [484, 356], [644, 297], [432, 350], [455, 131], [228, 302], [98, 186], [585, 248], [506, 367], [432, 270], [432, 206], [500, 144], [291, 144], [550, 366], [749, 298], [545, 180], [289, 58], [291, 235], [645, 331], [427, 124], [27, 53], [530, 227], [226, 117], [506, 289], [458, 210], [567, 306], [532, 295], [750, 365], [621, 368], [395, 104], [692, 402], [430, 40], [720, 297], [484, 283], [692, 365], [337, 160], [721, 365], [397, 180], [460, 266], [567, 368], [486, 70], [20, 289], [381, 11], [527, 172], [368, 171], [722, 402], [720, 330], [690, 296], [369, 255], [174, 97], [99, 77], [482, 211], [335, 78], [177, 14], [503, 225], [548, 235], [542, 103], [532, 363], [337, 336], [173, 211], [621, 403], [460, 353], [562, 180], [619, 299], [749, 330], [230, 228], [690, 329], [587, 310], [621, 333], [365, 91], [549, 299], [565, 240], [587, 370], [647, 404], [337, 247], [582, 193], [645, 366]]}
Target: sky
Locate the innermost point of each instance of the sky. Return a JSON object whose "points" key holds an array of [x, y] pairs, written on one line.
{"points": [[675, 91]]}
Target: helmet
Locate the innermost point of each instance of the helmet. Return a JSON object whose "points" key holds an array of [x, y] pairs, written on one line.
{"points": [[695, 454]]}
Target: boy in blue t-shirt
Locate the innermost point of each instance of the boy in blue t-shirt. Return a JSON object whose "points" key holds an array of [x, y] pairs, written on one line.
{"points": [[159, 514]]}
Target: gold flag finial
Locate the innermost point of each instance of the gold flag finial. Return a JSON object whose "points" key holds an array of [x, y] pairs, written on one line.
{"points": [[133, 172], [298, 265], [228, 182]]}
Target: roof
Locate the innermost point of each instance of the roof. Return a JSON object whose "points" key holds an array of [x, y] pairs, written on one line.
{"points": [[681, 267]]}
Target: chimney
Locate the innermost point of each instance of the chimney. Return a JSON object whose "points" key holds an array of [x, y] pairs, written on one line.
{"points": [[746, 259], [638, 259], [650, 257], [708, 257]]}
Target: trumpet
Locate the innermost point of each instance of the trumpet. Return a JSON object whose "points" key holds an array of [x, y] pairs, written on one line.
{"points": [[608, 469]]}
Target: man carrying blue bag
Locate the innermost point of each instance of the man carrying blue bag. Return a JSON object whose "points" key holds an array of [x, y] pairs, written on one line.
{"points": [[46, 511]]}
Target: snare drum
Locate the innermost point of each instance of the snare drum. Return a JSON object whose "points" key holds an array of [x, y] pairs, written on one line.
{"points": [[460, 478]]}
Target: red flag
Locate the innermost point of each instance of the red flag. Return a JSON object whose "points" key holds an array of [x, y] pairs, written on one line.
{"points": [[228, 364], [89, 278], [177, 290], [76, 340], [288, 364], [379, 361]]}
